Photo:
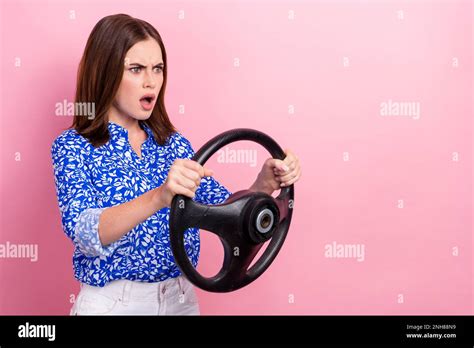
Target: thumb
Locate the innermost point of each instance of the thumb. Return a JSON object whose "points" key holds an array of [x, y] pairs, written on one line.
{"points": [[279, 164], [208, 172]]}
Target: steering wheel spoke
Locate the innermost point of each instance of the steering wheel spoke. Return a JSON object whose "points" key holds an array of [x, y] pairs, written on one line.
{"points": [[221, 220]]}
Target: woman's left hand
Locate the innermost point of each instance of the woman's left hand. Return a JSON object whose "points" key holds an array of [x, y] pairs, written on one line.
{"points": [[276, 173]]}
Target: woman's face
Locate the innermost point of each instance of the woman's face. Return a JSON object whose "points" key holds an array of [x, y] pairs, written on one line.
{"points": [[141, 81]]}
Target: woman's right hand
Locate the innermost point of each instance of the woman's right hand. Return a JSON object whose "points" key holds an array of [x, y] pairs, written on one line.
{"points": [[184, 177]]}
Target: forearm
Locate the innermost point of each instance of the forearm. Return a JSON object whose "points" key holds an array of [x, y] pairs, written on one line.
{"points": [[257, 187], [116, 221]]}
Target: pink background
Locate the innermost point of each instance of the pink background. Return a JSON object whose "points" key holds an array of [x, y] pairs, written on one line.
{"points": [[283, 62]]}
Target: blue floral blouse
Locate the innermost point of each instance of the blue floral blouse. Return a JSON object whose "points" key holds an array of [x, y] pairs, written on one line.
{"points": [[89, 180]]}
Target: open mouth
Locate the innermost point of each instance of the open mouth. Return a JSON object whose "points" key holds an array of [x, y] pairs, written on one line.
{"points": [[147, 101]]}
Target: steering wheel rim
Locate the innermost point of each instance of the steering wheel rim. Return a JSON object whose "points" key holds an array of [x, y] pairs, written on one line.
{"points": [[244, 222]]}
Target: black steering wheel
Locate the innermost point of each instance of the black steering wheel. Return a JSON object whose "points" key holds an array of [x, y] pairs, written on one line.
{"points": [[244, 222]]}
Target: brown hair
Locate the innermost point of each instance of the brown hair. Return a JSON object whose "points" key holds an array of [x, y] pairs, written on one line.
{"points": [[100, 73]]}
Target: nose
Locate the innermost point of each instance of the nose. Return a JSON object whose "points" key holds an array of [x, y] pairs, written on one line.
{"points": [[149, 80]]}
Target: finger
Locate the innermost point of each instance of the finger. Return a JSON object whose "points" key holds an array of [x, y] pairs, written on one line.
{"points": [[190, 164], [291, 167], [292, 180], [202, 171], [290, 157], [208, 172], [278, 165], [286, 177], [180, 190], [186, 183], [186, 192], [191, 175], [289, 176]]}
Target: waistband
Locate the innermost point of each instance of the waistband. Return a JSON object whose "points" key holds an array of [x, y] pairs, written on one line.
{"points": [[129, 290]]}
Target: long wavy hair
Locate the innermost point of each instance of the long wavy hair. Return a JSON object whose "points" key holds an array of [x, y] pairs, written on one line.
{"points": [[100, 73]]}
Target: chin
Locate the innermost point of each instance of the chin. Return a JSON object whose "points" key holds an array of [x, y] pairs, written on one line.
{"points": [[140, 116]]}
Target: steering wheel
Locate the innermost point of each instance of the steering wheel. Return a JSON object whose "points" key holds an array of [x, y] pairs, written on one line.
{"points": [[244, 222]]}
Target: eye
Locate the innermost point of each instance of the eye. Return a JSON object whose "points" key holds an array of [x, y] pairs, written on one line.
{"points": [[158, 68], [135, 69]]}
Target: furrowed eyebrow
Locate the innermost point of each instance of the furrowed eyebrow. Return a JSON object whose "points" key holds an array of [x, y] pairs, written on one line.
{"points": [[142, 66]]}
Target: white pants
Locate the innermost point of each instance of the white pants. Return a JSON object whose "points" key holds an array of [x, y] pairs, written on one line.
{"points": [[173, 296]]}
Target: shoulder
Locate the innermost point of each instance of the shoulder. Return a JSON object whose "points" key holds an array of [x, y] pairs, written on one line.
{"points": [[179, 146], [179, 143], [177, 137], [69, 142]]}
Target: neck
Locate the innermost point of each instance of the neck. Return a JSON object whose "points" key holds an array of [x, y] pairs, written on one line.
{"points": [[129, 123]]}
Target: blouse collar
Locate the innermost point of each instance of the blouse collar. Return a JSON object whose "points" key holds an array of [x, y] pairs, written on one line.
{"points": [[117, 131]]}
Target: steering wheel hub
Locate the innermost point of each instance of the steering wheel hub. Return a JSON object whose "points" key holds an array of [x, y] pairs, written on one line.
{"points": [[261, 218]]}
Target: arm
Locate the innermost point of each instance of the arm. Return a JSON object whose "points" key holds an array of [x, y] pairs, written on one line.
{"points": [[257, 186], [116, 221], [76, 195], [183, 178], [93, 229]]}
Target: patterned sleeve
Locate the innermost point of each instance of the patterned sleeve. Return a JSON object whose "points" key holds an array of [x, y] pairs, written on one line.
{"points": [[210, 191], [76, 197]]}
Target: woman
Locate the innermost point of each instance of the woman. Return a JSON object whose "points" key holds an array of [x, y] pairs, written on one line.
{"points": [[117, 173]]}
